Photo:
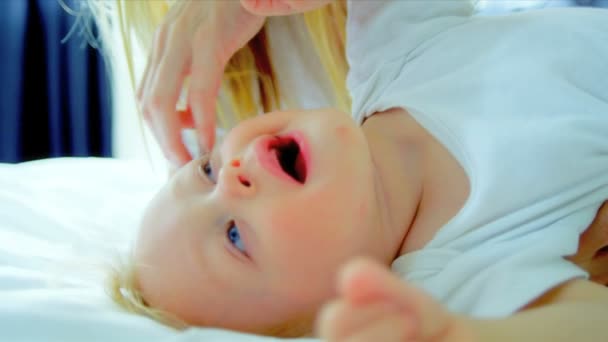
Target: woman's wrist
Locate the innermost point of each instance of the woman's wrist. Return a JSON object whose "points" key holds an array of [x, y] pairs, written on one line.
{"points": [[282, 7]]}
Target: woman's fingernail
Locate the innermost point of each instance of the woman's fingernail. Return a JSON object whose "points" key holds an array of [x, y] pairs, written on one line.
{"points": [[172, 169], [175, 162]]}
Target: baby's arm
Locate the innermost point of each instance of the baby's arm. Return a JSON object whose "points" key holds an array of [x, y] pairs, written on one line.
{"points": [[375, 305]]}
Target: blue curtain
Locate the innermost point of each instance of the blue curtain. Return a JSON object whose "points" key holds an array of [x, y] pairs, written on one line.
{"points": [[54, 95]]}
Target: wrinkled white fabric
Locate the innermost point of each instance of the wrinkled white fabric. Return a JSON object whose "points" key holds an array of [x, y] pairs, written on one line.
{"points": [[521, 101]]}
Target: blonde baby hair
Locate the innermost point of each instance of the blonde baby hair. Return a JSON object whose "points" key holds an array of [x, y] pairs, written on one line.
{"points": [[250, 86]]}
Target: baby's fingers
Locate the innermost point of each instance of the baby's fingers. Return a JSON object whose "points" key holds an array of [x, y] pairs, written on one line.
{"points": [[340, 321], [388, 329], [364, 281]]}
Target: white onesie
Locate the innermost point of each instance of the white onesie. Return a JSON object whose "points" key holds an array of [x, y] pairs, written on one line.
{"points": [[521, 101]]}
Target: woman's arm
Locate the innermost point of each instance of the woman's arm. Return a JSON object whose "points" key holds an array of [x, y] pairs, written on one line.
{"points": [[575, 311]]}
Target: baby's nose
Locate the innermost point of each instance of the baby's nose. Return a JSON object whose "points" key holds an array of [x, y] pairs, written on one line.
{"points": [[235, 182]]}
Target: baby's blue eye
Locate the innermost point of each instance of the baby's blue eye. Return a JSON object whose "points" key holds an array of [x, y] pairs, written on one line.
{"points": [[235, 237]]}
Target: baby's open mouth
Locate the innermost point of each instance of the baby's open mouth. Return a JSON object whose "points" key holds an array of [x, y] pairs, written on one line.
{"points": [[290, 158]]}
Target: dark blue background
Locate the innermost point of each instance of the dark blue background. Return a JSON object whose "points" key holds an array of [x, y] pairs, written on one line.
{"points": [[54, 96]]}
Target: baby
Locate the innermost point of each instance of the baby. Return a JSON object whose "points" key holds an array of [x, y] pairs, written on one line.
{"points": [[476, 158], [286, 200]]}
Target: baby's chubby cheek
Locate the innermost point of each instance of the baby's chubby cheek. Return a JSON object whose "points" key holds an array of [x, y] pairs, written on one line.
{"points": [[293, 231], [362, 211], [341, 131], [316, 220], [344, 133]]}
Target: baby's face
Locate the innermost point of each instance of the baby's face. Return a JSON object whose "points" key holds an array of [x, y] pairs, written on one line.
{"points": [[255, 236]]}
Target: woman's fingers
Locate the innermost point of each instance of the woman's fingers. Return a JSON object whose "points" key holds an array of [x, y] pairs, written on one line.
{"points": [[196, 38], [596, 236], [141, 87], [205, 79], [154, 56], [210, 55], [168, 132], [164, 76], [592, 253], [266, 7], [160, 112], [593, 248], [159, 90], [281, 7], [163, 96]]}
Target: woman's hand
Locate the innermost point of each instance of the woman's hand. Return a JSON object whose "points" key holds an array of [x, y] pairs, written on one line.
{"points": [[375, 305], [196, 38], [281, 7], [592, 254]]}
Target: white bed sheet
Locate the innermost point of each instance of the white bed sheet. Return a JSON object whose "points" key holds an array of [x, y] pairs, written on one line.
{"points": [[60, 220]]}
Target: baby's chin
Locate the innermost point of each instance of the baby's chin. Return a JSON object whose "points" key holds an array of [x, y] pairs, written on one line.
{"points": [[303, 326], [300, 327]]}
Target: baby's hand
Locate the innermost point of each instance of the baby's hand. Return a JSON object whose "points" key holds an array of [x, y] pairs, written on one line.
{"points": [[375, 305]]}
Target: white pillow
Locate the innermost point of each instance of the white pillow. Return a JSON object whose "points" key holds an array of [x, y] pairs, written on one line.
{"points": [[62, 221]]}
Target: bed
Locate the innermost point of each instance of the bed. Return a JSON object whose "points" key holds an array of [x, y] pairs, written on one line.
{"points": [[62, 221]]}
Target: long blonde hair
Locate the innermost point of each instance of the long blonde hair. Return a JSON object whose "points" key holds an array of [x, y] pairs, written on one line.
{"points": [[250, 83]]}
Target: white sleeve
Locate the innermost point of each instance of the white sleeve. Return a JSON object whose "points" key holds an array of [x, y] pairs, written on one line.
{"points": [[381, 30], [497, 278]]}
